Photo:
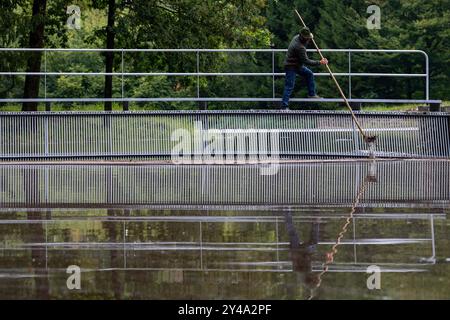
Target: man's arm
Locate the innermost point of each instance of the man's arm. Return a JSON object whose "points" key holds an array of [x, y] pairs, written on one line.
{"points": [[304, 58]]}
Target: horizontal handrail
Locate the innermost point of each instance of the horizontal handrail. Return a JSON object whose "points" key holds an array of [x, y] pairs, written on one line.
{"points": [[213, 99], [204, 74], [205, 50], [199, 74]]}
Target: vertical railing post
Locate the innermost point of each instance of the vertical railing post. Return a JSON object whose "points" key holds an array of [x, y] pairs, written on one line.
{"points": [[434, 107], [355, 260], [273, 71], [278, 241], [201, 245], [201, 105], [124, 245], [111, 139], [46, 242], [45, 75], [427, 71], [433, 243], [47, 104], [349, 74], [2, 148], [124, 104], [198, 76], [197, 67]]}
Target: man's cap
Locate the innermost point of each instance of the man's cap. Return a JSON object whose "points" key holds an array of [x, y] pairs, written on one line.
{"points": [[306, 33]]}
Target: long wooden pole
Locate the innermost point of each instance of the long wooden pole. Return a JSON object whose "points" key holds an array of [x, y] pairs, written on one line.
{"points": [[366, 138]]}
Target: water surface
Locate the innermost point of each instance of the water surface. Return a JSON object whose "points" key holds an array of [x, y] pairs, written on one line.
{"points": [[314, 243]]}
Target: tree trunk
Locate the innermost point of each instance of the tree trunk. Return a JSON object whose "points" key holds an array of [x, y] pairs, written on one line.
{"points": [[31, 89], [109, 61], [36, 235]]}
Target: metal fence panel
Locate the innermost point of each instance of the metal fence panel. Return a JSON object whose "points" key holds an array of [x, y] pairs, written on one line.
{"points": [[320, 183], [149, 135]]}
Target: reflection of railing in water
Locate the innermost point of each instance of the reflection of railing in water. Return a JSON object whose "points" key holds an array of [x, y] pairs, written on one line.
{"points": [[148, 135], [208, 255], [399, 184]]}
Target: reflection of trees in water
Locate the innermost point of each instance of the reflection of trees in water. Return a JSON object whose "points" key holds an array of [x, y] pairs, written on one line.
{"points": [[36, 232], [116, 256], [171, 281]]}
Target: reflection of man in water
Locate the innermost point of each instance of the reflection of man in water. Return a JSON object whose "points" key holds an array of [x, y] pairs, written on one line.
{"points": [[301, 253]]}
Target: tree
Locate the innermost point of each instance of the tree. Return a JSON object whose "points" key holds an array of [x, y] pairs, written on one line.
{"points": [[45, 26], [426, 26], [405, 24], [10, 36], [109, 57], [186, 24], [283, 22], [36, 40]]}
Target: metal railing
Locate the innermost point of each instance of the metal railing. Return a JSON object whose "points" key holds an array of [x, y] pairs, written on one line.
{"points": [[198, 74], [150, 134], [399, 184], [200, 248]]}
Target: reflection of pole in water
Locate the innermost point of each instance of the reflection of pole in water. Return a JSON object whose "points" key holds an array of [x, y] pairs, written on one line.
{"points": [[371, 177]]}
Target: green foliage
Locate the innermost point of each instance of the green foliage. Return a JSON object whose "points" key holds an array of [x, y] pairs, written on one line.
{"points": [[283, 22], [408, 24], [405, 24]]}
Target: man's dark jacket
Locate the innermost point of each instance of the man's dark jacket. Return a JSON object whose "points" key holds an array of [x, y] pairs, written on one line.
{"points": [[296, 55]]}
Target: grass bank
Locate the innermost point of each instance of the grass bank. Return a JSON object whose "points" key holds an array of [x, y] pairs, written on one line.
{"points": [[194, 106]]}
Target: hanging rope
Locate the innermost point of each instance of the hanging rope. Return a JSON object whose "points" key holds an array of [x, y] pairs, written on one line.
{"points": [[332, 253]]}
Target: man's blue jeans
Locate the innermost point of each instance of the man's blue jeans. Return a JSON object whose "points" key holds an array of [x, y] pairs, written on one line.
{"points": [[289, 83]]}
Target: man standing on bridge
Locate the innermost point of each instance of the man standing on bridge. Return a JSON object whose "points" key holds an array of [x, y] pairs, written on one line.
{"points": [[296, 59]]}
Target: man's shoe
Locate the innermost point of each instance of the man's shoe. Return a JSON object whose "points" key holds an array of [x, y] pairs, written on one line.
{"points": [[314, 97], [285, 108]]}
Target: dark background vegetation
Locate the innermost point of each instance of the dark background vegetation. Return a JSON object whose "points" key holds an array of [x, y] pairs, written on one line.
{"points": [[405, 24]]}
